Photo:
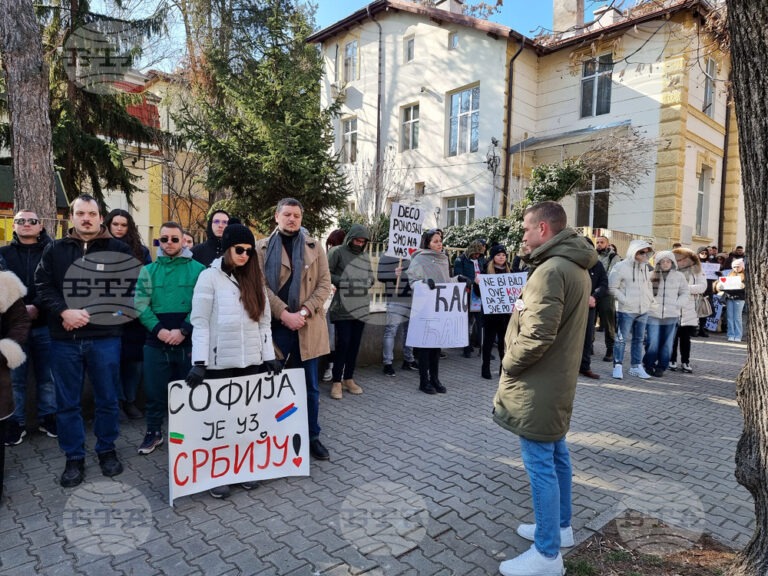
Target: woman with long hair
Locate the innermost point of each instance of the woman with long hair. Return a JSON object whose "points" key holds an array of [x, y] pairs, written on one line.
{"points": [[430, 265], [733, 289], [231, 319], [689, 264], [121, 225], [494, 325]]}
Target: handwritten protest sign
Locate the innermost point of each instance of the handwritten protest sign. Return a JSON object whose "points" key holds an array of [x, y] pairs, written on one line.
{"points": [[439, 317], [233, 430], [404, 230], [499, 291], [713, 321], [711, 270]]}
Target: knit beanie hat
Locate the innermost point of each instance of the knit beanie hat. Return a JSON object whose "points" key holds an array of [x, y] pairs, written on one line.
{"points": [[497, 249], [236, 234], [737, 262]]}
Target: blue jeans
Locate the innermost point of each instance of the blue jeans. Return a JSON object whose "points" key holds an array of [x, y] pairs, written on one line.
{"points": [[397, 315], [661, 338], [288, 342], [69, 361], [37, 348], [629, 326], [734, 309], [549, 469], [161, 366]]}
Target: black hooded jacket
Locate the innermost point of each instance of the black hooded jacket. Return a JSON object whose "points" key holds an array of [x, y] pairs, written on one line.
{"points": [[208, 251], [22, 260]]}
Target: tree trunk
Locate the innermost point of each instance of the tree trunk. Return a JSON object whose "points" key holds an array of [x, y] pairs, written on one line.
{"points": [[28, 108], [747, 23]]}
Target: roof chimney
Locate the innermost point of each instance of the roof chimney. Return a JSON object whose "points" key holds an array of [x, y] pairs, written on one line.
{"points": [[567, 14], [452, 6], [606, 16]]}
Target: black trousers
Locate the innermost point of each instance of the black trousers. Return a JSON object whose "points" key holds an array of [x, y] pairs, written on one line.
{"points": [[589, 336], [429, 363], [494, 330]]}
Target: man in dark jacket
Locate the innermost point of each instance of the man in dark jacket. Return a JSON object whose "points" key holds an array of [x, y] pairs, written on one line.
{"points": [[83, 281], [469, 265], [538, 383], [208, 251], [599, 280], [22, 256]]}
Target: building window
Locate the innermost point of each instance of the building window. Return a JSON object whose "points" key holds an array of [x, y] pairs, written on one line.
{"points": [[418, 189], [461, 211], [350, 61], [453, 41], [410, 47], [596, 86], [410, 129], [464, 126], [592, 202], [336, 61], [349, 147], [710, 75], [702, 201]]}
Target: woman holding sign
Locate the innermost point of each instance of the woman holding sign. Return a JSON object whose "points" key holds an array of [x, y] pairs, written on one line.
{"points": [[231, 319], [430, 265], [494, 325], [733, 289]]}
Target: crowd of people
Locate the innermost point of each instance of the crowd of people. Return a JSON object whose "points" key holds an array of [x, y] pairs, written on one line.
{"points": [[233, 306]]}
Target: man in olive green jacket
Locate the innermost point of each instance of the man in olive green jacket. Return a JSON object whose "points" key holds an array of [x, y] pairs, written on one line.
{"points": [[544, 342]]}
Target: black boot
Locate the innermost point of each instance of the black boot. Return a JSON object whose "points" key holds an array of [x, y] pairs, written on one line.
{"points": [[426, 387], [485, 371], [439, 388]]}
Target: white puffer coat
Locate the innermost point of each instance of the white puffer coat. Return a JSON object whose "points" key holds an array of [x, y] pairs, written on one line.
{"points": [[671, 290], [630, 281], [224, 336]]}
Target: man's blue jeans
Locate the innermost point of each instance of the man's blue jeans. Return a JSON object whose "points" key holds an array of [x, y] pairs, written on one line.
{"points": [[397, 315], [734, 310], [69, 361], [629, 326], [38, 349], [549, 469], [288, 343], [161, 366], [661, 337]]}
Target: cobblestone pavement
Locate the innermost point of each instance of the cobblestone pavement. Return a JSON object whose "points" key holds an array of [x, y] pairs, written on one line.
{"points": [[416, 485]]}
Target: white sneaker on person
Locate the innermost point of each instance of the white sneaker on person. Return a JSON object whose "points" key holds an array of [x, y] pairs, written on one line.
{"points": [[639, 371], [532, 563], [328, 374], [618, 371], [566, 534], [673, 366], [687, 368]]}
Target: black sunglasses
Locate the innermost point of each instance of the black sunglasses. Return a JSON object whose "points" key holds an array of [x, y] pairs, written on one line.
{"points": [[239, 250], [166, 239], [22, 221]]}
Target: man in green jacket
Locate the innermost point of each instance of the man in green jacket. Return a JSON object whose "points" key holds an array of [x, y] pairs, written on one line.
{"points": [[163, 301], [544, 342]]}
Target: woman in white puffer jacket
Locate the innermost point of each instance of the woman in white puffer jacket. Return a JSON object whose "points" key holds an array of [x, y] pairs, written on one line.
{"points": [[689, 264]]}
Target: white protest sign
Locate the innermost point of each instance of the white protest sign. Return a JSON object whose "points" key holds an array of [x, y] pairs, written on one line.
{"points": [[499, 291], [439, 317], [404, 230], [731, 283], [711, 270], [233, 430]]}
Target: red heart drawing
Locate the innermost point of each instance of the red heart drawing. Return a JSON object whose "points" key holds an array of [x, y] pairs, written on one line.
{"points": [[411, 251], [297, 461]]}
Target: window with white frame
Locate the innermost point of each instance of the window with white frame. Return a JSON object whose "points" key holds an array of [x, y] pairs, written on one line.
{"points": [[464, 122], [596, 86], [409, 48], [702, 201], [336, 63], [592, 202], [453, 41], [409, 136], [460, 210], [710, 75], [350, 61], [349, 143]]}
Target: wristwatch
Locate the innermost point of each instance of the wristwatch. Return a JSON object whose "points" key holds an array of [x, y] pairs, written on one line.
{"points": [[304, 313]]}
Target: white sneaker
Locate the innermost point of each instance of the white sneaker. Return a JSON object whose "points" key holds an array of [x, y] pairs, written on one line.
{"points": [[328, 374], [687, 368], [566, 534], [673, 366], [531, 563], [731, 339], [618, 371], [639, 371]]}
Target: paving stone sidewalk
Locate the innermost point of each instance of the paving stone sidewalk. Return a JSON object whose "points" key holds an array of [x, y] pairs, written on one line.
{"points": [[416, 485]]}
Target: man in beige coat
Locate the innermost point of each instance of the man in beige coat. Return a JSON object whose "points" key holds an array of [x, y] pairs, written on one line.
{"points": [[298, 284]]}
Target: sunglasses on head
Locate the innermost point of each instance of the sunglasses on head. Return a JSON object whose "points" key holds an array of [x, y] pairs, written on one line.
{"points": [[239, 250], [166, 239], [22, 221]]}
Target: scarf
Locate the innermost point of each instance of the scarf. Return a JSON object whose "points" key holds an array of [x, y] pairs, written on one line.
{"points": [[273, 262]]}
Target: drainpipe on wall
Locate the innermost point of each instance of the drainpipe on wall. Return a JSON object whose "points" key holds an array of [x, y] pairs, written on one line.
{"points": [[507, 144], [377, 200], [723, 176]]}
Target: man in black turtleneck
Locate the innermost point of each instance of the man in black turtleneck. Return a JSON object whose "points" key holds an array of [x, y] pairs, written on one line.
{"points": [[298, 284]]}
